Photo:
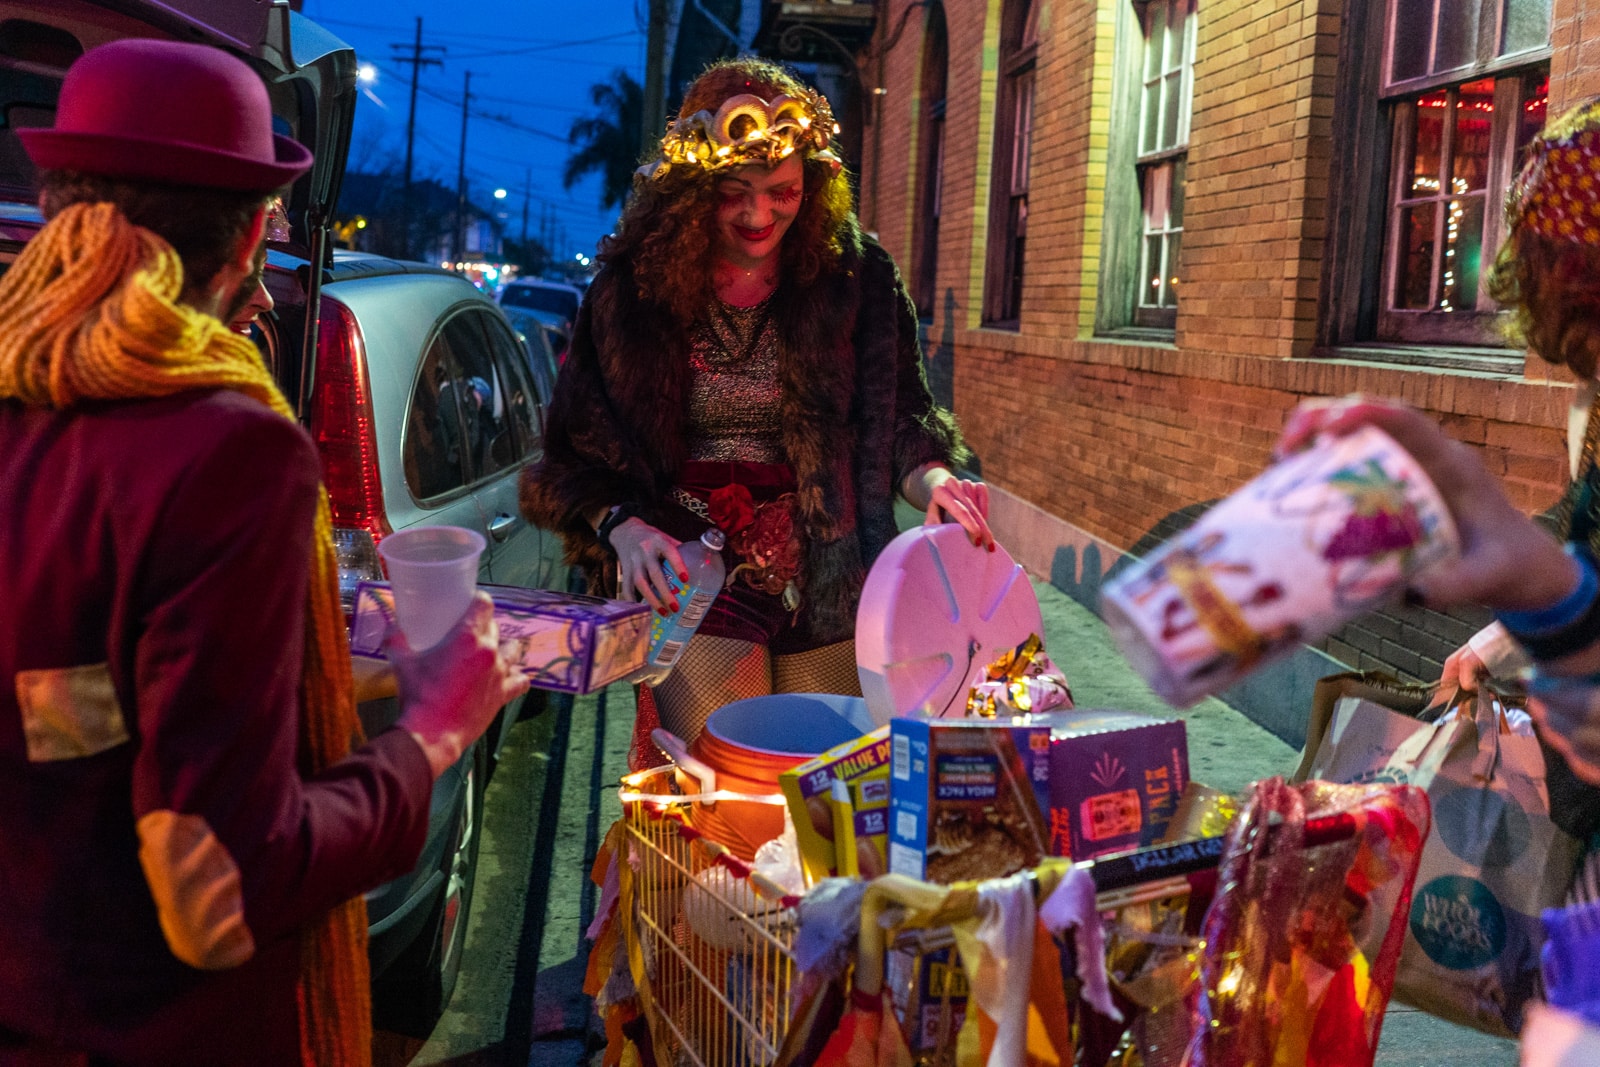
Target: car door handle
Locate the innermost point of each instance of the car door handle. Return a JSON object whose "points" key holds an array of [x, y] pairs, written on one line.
{"points": [[502, 526]]}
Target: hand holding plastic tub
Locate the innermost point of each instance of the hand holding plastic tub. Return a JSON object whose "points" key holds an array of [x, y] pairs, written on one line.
{"points": [[1506, 562]]}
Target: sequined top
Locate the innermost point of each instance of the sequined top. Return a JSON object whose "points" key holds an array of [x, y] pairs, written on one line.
{"points": [[734, 396]]}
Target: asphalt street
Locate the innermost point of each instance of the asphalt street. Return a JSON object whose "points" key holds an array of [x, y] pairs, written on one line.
{"points": [[519, 998]]}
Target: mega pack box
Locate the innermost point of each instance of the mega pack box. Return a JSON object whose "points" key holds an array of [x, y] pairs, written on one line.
{"points": [[1115, 780], [967, 797], [566, 642]]}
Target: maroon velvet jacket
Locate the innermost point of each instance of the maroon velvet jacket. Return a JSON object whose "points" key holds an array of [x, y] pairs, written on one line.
{"points": [[169, 541]]}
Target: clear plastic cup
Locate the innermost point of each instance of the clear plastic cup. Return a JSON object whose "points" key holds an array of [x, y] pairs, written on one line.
{"points": [[433, 571]]}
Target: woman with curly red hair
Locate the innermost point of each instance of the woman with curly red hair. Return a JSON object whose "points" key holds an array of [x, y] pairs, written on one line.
{"points": [[746, 358]]}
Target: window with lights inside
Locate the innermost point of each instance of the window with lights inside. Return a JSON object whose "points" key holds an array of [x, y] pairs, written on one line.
{"points": [[1465, 84]]}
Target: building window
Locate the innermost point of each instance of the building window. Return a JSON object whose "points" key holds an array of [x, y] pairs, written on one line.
{"points": [[1164, 107], [1008, 212], [930, 184], [1146, 163], [1465, 87]]}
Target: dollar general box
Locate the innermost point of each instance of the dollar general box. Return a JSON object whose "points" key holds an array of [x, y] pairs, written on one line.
{"points": [[967, 797], [1115, 779]]}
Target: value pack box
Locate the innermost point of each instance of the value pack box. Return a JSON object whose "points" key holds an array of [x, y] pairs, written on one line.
{"points": [[967, 797], [863, 766], [1115, 780], [566, 642]]}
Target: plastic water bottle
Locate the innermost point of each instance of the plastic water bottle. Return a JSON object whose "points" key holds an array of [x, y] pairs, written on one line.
{"points": [[669, 634]]}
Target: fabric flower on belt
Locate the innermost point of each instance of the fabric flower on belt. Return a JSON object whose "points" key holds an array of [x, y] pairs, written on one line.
{"points": [[732, 509], [764, 537]]}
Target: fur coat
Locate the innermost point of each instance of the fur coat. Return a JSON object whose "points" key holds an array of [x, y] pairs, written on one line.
{"points": [[855, 411]]}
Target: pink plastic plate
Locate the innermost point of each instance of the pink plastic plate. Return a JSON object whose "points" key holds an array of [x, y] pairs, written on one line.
{"points": [[935, 609]]}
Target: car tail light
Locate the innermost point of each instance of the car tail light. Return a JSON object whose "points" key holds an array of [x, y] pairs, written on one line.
{"points": [[341, 425]]}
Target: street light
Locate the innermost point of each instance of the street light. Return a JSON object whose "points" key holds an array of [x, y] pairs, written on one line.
{"points": [[499, 194]]}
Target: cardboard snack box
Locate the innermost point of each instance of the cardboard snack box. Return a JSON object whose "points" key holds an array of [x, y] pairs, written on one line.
{"points": [[1115, 780], [566, 642], [863, 766], [967, 797]]}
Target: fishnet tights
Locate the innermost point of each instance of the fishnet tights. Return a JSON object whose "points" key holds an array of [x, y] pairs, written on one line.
{"points": [[719, 670]]}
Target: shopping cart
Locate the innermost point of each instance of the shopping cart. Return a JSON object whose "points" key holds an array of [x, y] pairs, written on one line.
{"points": [[711, 940]]}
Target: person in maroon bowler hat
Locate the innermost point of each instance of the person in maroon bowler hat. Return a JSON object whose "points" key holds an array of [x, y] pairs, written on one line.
{"points": [[186, 830]]}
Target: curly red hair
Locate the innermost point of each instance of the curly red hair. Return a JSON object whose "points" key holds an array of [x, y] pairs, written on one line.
{"points": [[667, 232]]}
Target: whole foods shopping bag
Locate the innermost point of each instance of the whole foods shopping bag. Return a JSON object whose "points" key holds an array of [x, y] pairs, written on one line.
{"points": [[1493, 859]]}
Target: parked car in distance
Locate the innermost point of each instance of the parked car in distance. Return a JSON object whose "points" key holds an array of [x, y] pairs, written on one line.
{"points": [[555, 303], [420, 396], [539, 340]]}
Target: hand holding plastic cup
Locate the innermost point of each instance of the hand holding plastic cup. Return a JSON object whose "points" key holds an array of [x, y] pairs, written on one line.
{"points": [[433, 571]]}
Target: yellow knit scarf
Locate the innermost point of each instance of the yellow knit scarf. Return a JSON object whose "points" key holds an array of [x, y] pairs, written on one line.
{"points": [[89, 312]]}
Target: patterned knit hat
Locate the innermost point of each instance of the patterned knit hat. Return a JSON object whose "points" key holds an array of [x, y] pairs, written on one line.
{"points": [[1557, 194]]}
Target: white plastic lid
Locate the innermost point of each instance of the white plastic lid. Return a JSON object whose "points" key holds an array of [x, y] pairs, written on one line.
{"points": [[934, 609]]}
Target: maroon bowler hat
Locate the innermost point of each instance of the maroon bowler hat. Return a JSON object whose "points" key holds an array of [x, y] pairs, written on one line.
{"points": [[166, 111]]}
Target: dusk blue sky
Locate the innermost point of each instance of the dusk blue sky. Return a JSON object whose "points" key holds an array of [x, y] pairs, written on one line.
{"points": [[532, 64]]}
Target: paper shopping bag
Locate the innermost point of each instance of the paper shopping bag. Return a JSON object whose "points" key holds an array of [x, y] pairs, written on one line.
{"points": [[1493, 859], [1410, 699]]}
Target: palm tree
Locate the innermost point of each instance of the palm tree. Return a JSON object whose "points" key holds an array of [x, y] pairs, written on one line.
{"points": [[608, 140]]}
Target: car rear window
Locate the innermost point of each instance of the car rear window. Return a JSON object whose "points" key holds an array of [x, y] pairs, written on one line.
{"points": [[538, 298]]}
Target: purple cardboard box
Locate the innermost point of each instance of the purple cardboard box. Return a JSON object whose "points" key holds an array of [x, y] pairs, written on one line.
{"points": [[1115, 778], [566, 642]]}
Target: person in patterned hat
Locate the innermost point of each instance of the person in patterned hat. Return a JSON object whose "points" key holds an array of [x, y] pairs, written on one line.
{"points": [[1547, 274]]}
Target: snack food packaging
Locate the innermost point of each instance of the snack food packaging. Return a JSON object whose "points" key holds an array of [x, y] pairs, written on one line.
{"points": [[967, 797], [862, 766], [930, 991], [1315, 540], [1021, 681], [566, 642], [1115, 780]]}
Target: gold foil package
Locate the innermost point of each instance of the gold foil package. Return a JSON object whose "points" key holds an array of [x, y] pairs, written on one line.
{"points": [[1021, 681]]}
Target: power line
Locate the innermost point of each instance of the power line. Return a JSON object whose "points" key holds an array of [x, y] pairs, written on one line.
{"points": [[543, 42]]}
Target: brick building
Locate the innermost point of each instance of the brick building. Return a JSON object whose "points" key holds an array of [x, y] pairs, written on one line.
{"points": [[1140, 232]]}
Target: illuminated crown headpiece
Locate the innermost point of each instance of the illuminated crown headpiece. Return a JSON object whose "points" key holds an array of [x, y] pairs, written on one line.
{"points": [[748, 129], [1557, 193]]}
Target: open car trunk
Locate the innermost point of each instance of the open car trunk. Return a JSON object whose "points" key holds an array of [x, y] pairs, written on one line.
{"points": [[310, 74]]}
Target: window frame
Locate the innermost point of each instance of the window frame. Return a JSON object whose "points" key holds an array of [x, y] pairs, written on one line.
{"points": [[1131, 220], [1434, 324], [1009, 177], [934, 94], [1356, 281]]}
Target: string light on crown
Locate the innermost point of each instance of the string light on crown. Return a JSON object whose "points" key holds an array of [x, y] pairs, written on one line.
{"points": [[749, 129]]}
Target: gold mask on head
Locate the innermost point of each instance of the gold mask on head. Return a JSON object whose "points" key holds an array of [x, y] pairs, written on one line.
{"points": [[748, 129]]}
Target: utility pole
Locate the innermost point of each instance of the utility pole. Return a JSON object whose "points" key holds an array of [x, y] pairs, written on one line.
{"points": [[527, 194], [417, 61], [461, 173], [654, 119]]}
